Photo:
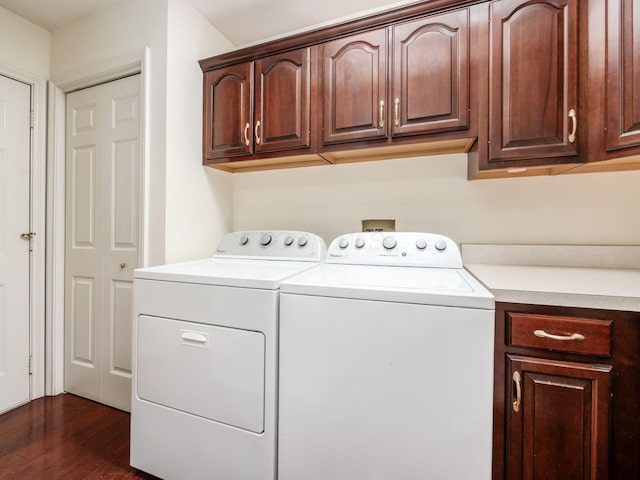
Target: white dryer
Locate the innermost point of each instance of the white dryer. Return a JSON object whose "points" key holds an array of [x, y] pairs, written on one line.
{"points": [[386, 364], [204, 396]]}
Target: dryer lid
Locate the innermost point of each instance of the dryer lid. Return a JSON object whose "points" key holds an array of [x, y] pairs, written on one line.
{"points": [[229, 272]]}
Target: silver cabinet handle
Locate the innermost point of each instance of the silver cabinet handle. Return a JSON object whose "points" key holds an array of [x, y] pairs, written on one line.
{"points": [[574, 120], [516, 402], [576, 337], [381, 114]]}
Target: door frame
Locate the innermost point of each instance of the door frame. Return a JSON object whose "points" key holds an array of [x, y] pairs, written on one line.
{"points": [[37, 223], [102, 72]]}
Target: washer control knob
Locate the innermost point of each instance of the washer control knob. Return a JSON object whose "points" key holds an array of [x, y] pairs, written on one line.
{"points": [[302, 241], [389, 243], [265, 239], [244, 240], [343, 243], [441, 245], [421, 244], [359, 243], [288, 240]]}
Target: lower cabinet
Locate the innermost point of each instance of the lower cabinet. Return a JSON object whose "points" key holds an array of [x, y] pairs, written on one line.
{"points": [[558, 423], [566, 393]]}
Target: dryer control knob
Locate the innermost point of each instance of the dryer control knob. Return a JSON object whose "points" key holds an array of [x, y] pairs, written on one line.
{"points": [[288, 240], [421, 244], [302, 241], [389, 243], [343, 243], [359, 243], [265, 239], [244, 240], [441, 245]]}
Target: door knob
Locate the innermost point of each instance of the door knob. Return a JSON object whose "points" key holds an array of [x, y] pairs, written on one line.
{"points": [[123, 266], [27, 236]]}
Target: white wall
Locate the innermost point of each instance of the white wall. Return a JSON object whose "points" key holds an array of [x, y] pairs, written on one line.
{"points": [[432, 194], [198, 210], [24, 45]]}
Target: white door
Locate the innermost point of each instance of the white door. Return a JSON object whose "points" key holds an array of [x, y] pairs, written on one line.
{"points": [[103, 218], [15, 139]]}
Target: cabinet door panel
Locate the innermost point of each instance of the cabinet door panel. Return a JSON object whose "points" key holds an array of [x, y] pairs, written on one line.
{"points": [[282, 101], [561, 428], [430, 91], [623, 74], [533, 78], [227, 112], [354, 84]]}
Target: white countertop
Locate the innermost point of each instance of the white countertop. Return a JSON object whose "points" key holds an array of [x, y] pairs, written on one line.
{"points": [[591, 277]]}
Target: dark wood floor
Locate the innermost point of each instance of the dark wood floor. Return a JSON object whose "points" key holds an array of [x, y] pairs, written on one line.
{"points": [[65, 437]]}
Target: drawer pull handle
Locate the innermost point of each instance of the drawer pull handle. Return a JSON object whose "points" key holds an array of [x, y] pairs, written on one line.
{"points": [[516, 402], [576, 337]]}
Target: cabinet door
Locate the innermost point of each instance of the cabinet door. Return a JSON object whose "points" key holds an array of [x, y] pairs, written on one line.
{"points": [[558, 420], [227, 112], [355, 87], [533, 79], [623, 74], [430, 89], [282, 101]]}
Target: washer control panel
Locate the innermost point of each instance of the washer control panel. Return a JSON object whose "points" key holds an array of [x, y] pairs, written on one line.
{"points": [[272, 245], [395, 248]]}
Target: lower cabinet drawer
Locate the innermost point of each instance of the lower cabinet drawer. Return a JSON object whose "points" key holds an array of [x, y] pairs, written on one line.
{"points": [[566, 334]]}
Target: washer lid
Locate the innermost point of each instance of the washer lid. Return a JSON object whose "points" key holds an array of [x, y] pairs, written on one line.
{"points": [[426, 286], [263, 274]]}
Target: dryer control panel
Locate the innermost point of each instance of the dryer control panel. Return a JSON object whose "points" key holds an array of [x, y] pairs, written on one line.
{"points": [[395, 248], [272, 245]]}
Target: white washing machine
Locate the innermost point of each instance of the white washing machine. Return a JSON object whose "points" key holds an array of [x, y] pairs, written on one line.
{"points": [[386, 364], [204, 393]]}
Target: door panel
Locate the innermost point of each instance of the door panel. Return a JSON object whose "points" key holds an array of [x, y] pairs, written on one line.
{"points": [[15, 105], [354, 85], [560, 429], [533, 79], [431, 74], [227, 118], [103, 225], [623, 74], [283, 101]]}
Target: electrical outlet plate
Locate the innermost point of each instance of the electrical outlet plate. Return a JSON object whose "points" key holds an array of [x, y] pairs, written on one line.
{"points": [[377, 225]]}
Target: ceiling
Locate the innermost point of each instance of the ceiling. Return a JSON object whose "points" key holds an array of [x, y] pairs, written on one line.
{"points": [[241, 21]]}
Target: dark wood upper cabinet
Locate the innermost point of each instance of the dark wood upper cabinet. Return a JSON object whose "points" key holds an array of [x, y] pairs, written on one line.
{"points": [[524, 86], [282, 101], [430, 75], [354, 87], [533, 92], [623, 74], [558, 420], [227, 114]]}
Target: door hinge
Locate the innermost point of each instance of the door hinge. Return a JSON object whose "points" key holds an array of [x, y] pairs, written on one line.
{"points": [[32, 119], [30, 364]]}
